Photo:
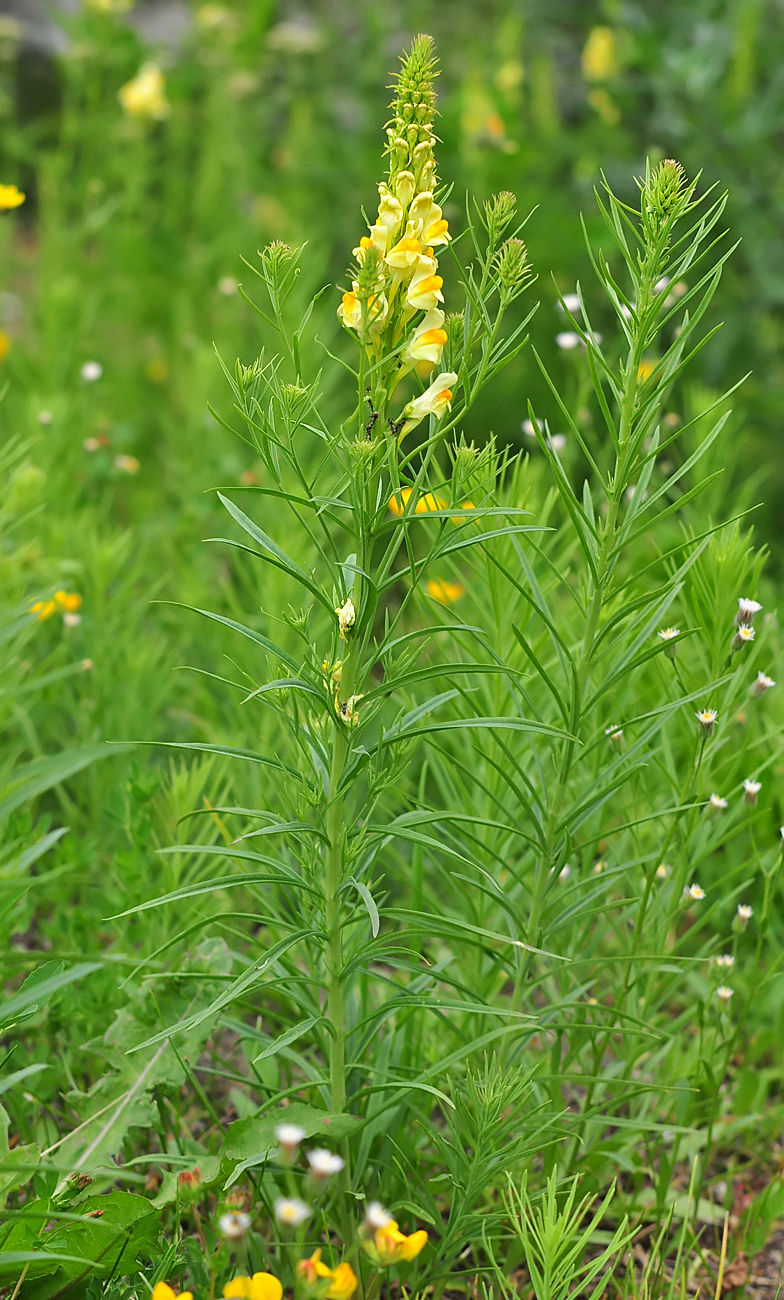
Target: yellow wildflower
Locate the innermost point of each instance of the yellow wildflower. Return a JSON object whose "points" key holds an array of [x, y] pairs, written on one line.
{"points": [[162, 1291], [605, 105], [341, 1281], [385, 1243], [445, 592], [645, 369], [10, 197], [262, 1286], [600, 54], [44, 609], [145, 95], [435, 400], [70, 601], [427, 502], [158, 371], [5, 345], [126, 464]]}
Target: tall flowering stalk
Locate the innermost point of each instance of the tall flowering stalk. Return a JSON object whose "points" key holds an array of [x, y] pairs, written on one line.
{"points": [[389, 504]]}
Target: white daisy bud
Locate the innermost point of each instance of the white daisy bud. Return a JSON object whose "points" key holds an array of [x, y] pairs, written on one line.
{"points": [[615, 735], [761, 685], [750, 791], [746, 611]]}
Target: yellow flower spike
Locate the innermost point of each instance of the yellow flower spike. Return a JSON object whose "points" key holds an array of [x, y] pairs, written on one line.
{"points": [[262, 1286], [446, 593], [10, 197]]}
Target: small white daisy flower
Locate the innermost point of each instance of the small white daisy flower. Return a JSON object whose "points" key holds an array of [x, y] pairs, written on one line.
{"points": [[717, 803], [558, 442], [750, 791], [725, 960], [745, 913], [663, 871], [289, 1136], [290, 1212], [567, 340], [707, 720], [71, 620], [694, 892], [234, 1224], [528, 428], [45, 417], [661, 284], [91, 371], [227, 286], [669, 635], [571, 301], [761, 685], [323, 1164], [376, 1217], [724, 993], [565, 872], [615, 735], [744, 636]]}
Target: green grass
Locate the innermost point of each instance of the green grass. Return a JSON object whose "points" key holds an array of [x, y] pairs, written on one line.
{"points": [[457, 939]]}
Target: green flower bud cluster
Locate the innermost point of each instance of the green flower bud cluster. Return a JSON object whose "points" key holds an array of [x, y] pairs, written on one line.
{"points": [[410, 139]]}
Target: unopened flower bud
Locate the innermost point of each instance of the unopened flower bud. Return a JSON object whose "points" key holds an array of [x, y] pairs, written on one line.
{"points": [[762, 684], [750, 791], [513, 268], [746, 611]]}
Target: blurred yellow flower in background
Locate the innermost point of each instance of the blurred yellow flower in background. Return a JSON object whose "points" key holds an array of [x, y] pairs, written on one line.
{"points": [[158, 371], [5, 345], [145, 95], [110, 6], [10, 197], [445, 592], [600, 54]]}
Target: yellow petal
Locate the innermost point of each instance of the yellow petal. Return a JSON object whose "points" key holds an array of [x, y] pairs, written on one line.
{"points": [[413, 1244], [239, 1287], [162, 1291], [265, 1286]]}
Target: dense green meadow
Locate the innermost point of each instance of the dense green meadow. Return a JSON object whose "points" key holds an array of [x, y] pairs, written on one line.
{"points": [[391, 744]]}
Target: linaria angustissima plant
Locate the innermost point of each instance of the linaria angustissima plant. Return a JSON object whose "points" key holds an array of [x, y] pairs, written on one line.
{"points": [[507, 824]]}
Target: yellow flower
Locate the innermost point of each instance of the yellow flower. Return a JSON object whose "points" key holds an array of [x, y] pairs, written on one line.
{"points": [[145, 95], [429, 501], [10, 197], [162, 1291], [447, 593], [126, 464], [600, 55], [346, 617], [342, 1281], [5, 345], [434, 401], [605, 106], [262, 1286], [428, 340], [70, 601], [388, 1245], [424, 291], [645, 369], [405, 255], [460, 519], [110, 6], [158, 372], [44, 609]]}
